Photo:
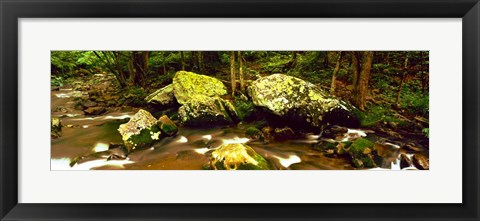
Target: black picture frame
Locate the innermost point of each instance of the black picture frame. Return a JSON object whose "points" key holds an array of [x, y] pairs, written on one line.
{"points": [[11, 10]]}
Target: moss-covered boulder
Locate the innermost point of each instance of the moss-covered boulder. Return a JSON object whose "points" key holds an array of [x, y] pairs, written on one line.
{"points": [[56, 127], [140, 131], [188, 85], [207, 111], [301, 102], [162, 98], [361, 152], [237, 157], [167, 126]]}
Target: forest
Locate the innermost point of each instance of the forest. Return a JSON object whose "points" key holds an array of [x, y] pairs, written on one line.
{"points": [[240, 110]]}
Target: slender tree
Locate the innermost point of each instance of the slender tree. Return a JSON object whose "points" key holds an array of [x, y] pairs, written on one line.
{"points": [[240, 71], [402, 80], [232, 71], [335, 71], [355, 67], [182, 54]]}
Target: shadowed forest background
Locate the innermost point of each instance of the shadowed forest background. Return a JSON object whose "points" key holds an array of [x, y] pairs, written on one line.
{"points": [[387, 91]]}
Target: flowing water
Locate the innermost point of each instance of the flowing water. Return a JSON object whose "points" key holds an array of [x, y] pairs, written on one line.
{"points": [[189, 149]]}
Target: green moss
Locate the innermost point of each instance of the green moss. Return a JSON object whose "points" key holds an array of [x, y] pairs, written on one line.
{"points": [[361, 157], [358, 147], [244, 109], [146, 137], [347, 144], [167, 126], [252, 131], [169, 129], [187, 84]]}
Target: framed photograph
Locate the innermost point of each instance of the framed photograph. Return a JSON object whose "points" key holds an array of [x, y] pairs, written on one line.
{"points": [[319, 110]]}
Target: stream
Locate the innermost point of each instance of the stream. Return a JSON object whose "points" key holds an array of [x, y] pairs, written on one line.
{"points": [[189, 149]]}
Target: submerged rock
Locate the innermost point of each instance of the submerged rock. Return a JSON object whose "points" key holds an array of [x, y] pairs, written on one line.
{"points": [[167, 126], [301, 102], [188, 85], [270, 134], [237, 157], [163, 97], [140, 131], [207, 111], [95, 110], [56, 127]]}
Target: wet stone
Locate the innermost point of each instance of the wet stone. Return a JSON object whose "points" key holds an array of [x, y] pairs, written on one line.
{"points": [[405, 161], [421, 162]]}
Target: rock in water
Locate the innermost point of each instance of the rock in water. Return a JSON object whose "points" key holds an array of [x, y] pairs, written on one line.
{"points": [[405, 161], [95, 110], [167, 126], [361, 153], [237, 157], [421, 162], [207, 111], [56, 128], [163, 97], [188, 85], [301, 102], [140, 131]]}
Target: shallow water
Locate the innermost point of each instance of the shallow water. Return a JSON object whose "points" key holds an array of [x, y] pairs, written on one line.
{"points": [[190, 148]]}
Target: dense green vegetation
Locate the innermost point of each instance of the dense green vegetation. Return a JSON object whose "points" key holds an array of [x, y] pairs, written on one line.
{"points": [[395, 90], [315, 109]]}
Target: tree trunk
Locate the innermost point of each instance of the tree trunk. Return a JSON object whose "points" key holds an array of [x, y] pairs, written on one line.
{"points": [[402, 81], [362, 83], [140, 66], [424, 74], [355, 67], [183, 60], [240, 71], [163, 63], [325, 60], [114, 67], [200, 61], [193, 61], [335, 71], [232, 71], [121, 76]]}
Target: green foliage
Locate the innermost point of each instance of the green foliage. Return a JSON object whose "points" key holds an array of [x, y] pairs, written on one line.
{"points": [[64, 62], [245, 109], [56, 81], [252, 132], [145, 137], [415, 102], [361, 159], [88, 59], [134, 96], [426, 132]]}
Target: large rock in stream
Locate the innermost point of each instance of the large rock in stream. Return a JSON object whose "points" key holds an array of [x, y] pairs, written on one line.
{"points": [[56, 127], [237, 156], [143, 129], [200, 98], [301, 103], [163, 97], [207, 111], [188, 85]]}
